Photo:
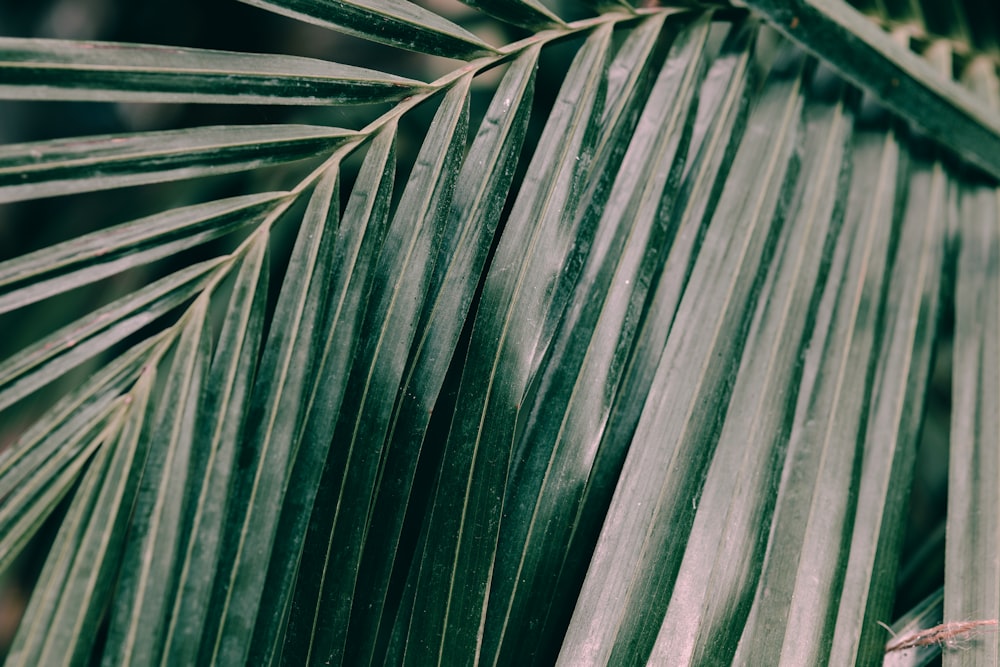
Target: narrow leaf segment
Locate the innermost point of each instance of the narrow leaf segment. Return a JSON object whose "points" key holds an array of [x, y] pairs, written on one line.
{"points": [[47, 69], [396, 22], [84, 164]]}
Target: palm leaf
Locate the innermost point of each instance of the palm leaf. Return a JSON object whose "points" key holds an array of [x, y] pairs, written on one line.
{"points": [[637, 572], [971, 503], [94, 334], [453, 572], [276, 403], [397, 22], [474, 211], [42, 465], [55, 69], [402, 280], [221, 418], [829, 417], [634, 372], [913, 310], [740, 481], [147, 569], [43, 169], [360, 238], [593, 340], [76, 584], [87, 259]]}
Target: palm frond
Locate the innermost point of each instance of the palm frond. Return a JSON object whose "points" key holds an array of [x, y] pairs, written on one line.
{"points": [[77, 581], [41, 467], [155, 535], [540, 233], [624, 361], [637, 566], [66, 348]]}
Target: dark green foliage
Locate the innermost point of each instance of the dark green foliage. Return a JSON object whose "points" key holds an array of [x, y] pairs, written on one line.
{"points": [[612, 345]]}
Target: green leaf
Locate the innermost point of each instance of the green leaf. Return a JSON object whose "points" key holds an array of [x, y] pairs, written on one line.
{"points": [[396, 22], [23, 511], [722, 111], [359, 241], [269, 446], [529, 14], [49, 69], [87, 259], [514, 312], [41, 467], [330, 561], [480, 195], [77, 580], [32, 631], [913, 308], [67, 348], [579, 382], [219, 428], [972, 573], [84, 164], [40, 442], [717, 579], [864, 54], [632, 572], [717, 132], [807, 550], [140, 609], [683, 353]]}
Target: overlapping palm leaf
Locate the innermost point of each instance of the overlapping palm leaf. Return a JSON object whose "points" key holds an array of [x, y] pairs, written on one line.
{"points": [[633, 373]]}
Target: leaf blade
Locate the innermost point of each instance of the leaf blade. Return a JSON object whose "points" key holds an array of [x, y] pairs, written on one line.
{"points": [[87, 259], [465, 511], [913, 311], [395, 22], [899, 78], [147, 569], [823, 457], [83, 577], [269, 446], [633, 567], [70, 346], [49, 69], [65, 166], [405, 271], [475, 211], [222, 415], [580, 378]]}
